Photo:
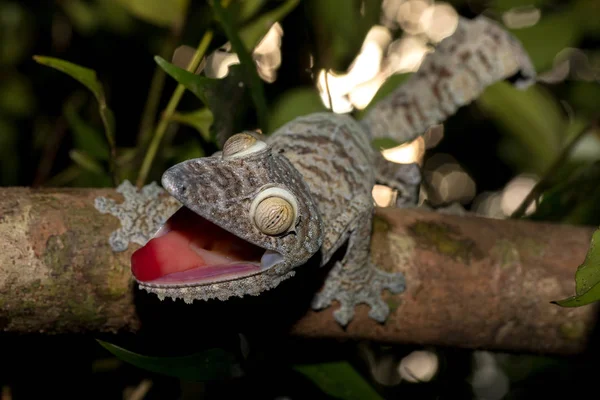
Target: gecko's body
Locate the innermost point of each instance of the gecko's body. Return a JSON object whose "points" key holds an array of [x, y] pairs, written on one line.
{"points": [[335, 157], [318, 172]]}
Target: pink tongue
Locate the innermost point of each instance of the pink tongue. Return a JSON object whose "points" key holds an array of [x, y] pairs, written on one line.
{"points": [[193, 249]]}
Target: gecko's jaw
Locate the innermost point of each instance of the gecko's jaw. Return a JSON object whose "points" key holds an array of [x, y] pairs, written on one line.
{"points": [[191, 250]]}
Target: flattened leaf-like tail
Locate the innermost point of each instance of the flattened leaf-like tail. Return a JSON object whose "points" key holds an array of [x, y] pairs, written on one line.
{"points": [[479, 53]]}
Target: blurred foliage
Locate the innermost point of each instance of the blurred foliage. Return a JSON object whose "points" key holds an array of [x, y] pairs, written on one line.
{"points": [[55, 133], [532, 126], [87, 77], [339, 380], [158, 12], [211, 364]]}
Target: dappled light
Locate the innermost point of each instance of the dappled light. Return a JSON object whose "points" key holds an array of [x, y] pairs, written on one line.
{"points": [[182, 56], [357, 87], [572, 63], [383, 196], [439, 21], [514, 193], [503, 203], [218, 62], [406, 54], [450, 180], [407, 153], [423, 24], [433, 136], [521, 17], [418, 366], [489, 205], [267, 54], [488, 380]]}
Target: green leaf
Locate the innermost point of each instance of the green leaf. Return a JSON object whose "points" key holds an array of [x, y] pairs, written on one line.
{"points": [[86, 162], [340, 380], [553, 33], [157, 12], [583, 96], [294, 103], [587, 277], [227, 98], [82, 15], [208, 365], [575, 199], [88, 78], [248, 66], [390, 84], [384, 143], [201, 119], [532, 117], [84, 75], [248, 8], [86, 137], [252, 33], [196, 84], [341, 26]]}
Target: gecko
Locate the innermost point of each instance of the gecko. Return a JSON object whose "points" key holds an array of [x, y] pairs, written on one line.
{"points": [[265, 204]]}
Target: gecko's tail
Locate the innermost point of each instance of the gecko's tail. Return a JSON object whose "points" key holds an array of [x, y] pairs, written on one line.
{"points": [[479, 53]]}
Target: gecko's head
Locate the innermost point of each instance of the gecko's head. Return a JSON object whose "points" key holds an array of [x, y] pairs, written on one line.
{"points": [[247, 220]]}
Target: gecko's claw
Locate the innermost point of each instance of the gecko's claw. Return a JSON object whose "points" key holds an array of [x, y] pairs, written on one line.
{"points": [[351, 291], [393, 281], [379, 311], [344, 314]]}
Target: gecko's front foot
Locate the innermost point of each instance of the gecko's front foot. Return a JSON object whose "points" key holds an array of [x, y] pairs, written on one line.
{"points": [[353, 286]]}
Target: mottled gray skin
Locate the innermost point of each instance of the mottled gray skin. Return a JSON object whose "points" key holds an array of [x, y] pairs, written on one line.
{"points": [[328, 162], [334, 155], [478, 54], [221, 190]]}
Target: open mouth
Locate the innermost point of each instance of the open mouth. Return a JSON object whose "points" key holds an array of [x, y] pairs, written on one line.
{"points": [[189, 250]]}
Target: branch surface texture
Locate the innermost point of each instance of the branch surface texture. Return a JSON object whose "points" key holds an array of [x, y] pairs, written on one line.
{"points": [[471, 282]]}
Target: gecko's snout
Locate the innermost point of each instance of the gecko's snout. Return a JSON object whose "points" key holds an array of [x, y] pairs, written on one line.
{"points": [[174, 182], [167, 180]]}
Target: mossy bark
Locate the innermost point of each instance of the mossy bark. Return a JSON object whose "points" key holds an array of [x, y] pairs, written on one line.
{"points": [[471, 282], [57, 272], [474, 282]]}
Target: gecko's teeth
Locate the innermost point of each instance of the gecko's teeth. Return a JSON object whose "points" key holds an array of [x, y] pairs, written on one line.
{"points": [[270, 258]]}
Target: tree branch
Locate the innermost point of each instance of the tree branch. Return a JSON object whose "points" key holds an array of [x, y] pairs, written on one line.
{"points": [[471, 282]]}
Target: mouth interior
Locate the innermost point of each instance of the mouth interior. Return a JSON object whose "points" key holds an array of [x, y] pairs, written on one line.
{"points": [[190, 249]]}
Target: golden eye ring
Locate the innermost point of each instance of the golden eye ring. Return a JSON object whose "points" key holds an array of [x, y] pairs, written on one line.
{"points": [[241, 144], [274, 211]]}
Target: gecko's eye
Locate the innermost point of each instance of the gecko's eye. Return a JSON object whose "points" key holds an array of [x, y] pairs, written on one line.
{"points": [[241, 144], [274, 211]]}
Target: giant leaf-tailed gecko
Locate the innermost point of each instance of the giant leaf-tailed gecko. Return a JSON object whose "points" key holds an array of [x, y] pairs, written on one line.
{"points": [[264, 205]]}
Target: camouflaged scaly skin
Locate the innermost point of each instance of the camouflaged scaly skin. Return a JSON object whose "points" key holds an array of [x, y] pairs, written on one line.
{"points": [[141, 214], [327, 161], [479, 53], [334, 155], [221, 190]]}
